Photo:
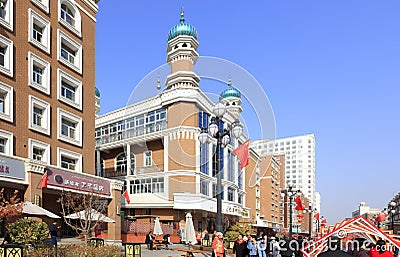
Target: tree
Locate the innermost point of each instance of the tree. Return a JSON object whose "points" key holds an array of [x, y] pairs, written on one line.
{"points": [[9, 206], [28, 231], [241, 227], [82, 212]]}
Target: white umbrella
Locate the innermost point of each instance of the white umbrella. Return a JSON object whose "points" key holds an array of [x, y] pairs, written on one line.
{"points": [[189, 236], [93, 215], [33, 209], [157, 227]]}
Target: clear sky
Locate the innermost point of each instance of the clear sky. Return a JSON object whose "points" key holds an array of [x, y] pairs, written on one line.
{"points": [[329, 67]]}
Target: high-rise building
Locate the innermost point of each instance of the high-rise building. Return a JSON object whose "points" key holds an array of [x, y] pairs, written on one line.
{"points": [[47, 99], [299, 154]]}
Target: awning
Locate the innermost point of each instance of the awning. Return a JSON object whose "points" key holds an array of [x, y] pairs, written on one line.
{"points": [[33, 209]]}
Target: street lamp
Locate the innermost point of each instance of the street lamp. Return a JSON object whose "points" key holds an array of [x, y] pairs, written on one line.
{"points": [[223, 138], [392, 210], [290, 194], [310, 211]]}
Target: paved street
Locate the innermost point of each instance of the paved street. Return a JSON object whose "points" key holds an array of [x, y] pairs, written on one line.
{"points": [[172, 253]]}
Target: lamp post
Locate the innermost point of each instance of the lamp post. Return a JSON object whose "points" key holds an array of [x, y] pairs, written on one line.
{"points": [[289, 193], [223, 137], [310, 211], [392, 210]]}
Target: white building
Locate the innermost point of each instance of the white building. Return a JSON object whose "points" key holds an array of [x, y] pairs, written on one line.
{"points": [[300, 162], [365, 210]]}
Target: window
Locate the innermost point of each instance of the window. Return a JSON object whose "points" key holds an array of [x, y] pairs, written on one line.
{"points": [[69, 127], [6, 56], [6, 142], [69, 160], [257, 192], [69, 16], [39, 73], [69, 52], [39, 31], [69, 90], [147, 185], [204, 184], [39, 151], [39, 115], [6, 102], [6, 14], [231, 194], [147, 158], [43, 4], [121, 164]]}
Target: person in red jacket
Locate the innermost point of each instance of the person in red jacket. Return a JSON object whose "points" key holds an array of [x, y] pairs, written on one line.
{"points": [[380, 250], [218, 245]]}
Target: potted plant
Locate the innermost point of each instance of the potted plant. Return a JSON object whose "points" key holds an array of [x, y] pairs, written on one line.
{"points": [[230, 237]]}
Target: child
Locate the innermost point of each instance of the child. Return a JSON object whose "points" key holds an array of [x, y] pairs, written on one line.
{"points": [[252, 246]]}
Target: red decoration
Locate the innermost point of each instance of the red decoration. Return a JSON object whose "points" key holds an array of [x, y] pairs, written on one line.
{"points": [[299, 206], [299, 220], [242, 152], [381, 217], [300, 215]]}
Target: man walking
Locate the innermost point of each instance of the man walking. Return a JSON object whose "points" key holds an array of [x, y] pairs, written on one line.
{"points": [[53, 233]]}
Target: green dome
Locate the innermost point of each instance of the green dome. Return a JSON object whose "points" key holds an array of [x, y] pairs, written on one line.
{"points": [[182, 29], [96, 92], [230, 92]]}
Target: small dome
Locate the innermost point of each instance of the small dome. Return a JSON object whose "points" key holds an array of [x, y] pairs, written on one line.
{"points": [[96, 92], [230, 92], [182, 29]]}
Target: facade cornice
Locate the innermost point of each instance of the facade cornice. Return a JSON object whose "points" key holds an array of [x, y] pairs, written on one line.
{"points": [[34, 166], [92, 5], [116, 184]]}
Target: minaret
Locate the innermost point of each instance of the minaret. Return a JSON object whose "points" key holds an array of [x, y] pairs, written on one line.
{"points": [[232, 99], [182, 55]]}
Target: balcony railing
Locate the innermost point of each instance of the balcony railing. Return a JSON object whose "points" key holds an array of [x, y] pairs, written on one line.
{"points": [[109, 173], [130, 133]]}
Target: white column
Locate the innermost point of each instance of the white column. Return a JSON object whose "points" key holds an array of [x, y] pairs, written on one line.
{"points": [[166, 152], [128, 160]]}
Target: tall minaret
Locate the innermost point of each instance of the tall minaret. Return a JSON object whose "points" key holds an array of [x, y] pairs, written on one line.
{"points": [[182, 55], [232, 99]]}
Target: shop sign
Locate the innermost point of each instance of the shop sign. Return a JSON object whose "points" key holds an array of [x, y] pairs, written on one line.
{"points": [[12, 168], [77, 181]]}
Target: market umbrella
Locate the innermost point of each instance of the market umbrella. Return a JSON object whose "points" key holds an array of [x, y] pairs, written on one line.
{"points": [[92, 215], [189, 236], [157, 227], [33, 209]]}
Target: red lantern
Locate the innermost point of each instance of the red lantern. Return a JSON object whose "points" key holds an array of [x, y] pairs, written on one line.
{"points": [[299, 220], [300, 215]]}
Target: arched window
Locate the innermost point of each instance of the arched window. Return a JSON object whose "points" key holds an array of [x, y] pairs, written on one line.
{"points": [[69, 16], [121, 164]]}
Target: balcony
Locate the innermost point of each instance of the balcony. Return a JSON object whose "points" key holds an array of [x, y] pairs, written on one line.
{"points": [[110, 173], [120, 135]]}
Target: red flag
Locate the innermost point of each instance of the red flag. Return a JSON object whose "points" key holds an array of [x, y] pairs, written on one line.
{"points": [[242, 152], [299, 206], [43, 181], [316, 216], [323, 223], [381, 217], [126, 196]]}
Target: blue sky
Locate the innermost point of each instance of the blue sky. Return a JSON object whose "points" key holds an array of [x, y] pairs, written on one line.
{"points": [[328, 67]]}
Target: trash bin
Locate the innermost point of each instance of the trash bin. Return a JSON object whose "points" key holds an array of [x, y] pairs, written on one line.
{"points": [[96, 242], [12, 250], [133, 250]]}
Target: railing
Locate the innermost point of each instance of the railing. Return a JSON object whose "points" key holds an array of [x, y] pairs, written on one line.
{"points": [[130, 133], [109, 173], [150, 169]]}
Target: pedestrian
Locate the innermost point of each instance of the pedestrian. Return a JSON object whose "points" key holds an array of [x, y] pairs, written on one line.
{"points": [[218, 245], [380, 250], [287, 248], [275, 247], [167, 241], [262, 247], [53, 233], [239, 247], [252, 246], [149, 240], [7, 239]]}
